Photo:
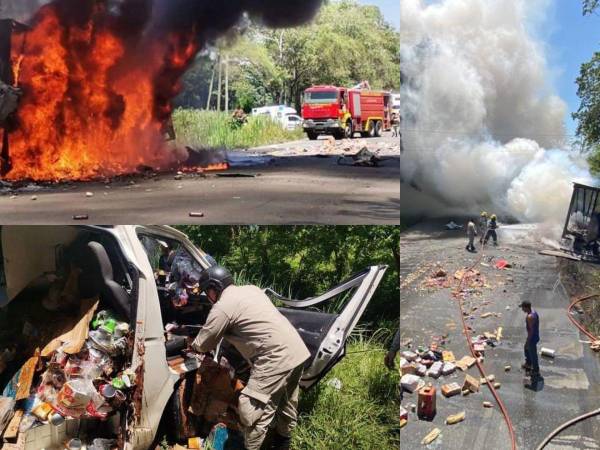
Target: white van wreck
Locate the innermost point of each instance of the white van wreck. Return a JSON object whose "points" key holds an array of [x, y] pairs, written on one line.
{"points": [[95, 332]]}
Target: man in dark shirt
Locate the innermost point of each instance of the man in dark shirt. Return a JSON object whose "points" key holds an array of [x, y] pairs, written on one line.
{"points": [[532, 325]]}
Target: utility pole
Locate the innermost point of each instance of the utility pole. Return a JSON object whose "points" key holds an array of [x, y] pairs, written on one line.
{"points": [[220, 90], [227, 84], [210, 89]]}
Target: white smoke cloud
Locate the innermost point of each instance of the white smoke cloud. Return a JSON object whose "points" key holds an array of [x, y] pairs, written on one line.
{"points": [[481, 126]]}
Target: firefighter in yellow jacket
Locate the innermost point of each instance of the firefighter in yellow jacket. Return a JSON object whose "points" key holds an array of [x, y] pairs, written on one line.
{"points": [[246, 318]]}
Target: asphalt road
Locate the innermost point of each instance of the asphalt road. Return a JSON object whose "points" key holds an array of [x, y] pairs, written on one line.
{"points": [[569, 386], [302, 184]]}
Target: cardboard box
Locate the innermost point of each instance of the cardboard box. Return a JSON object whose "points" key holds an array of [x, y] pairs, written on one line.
{"points": [[465, 363], [450, 389], [471, 383]]}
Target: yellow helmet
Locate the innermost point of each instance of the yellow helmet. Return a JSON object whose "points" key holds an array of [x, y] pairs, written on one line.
{"points": [[493, 217], [483, 214]]}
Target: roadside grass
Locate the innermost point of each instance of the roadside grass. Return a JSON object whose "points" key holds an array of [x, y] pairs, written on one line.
{"points": [[214, 130], [364, 413]]}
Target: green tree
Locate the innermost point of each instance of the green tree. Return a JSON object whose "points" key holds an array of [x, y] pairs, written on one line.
{"points": [[303, 261], [589, 6], [588, 124], [345, 44]]}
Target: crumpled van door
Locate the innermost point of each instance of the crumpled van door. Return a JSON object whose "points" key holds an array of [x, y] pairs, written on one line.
{"points": [[325, 334]]}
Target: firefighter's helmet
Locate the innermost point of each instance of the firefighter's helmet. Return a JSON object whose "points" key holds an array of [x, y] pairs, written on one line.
{"points": [[215, 277]]}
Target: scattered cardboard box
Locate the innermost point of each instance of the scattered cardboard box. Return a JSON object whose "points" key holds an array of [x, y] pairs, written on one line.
{"points": [[489, 378], [12, 430], [451, 389], [409, 356], [471, 383], [435, 370], [411, 382], [448, 368], [465, 363], [448, 356]]}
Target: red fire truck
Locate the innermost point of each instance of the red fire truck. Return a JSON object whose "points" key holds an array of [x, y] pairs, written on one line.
{"points": [[343, 112]]}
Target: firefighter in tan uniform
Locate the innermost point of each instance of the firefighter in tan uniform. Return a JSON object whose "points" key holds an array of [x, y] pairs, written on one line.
{"points": [[245, 317]]}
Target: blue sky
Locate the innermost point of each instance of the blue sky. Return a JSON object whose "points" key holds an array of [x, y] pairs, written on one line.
{"points": [[390, 8], [570, 40]]}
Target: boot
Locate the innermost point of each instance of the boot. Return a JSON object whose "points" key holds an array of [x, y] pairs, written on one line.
{"points": [[280, 442]]}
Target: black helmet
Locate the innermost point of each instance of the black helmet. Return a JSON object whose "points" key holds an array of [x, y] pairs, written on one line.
{"points": [[215, 277]]}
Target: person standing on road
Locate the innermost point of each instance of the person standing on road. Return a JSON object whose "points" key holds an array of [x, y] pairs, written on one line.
{"points": [[483, 224], [491, 230], [532, 325], [395, 125], [390, 356], [246, 318], [471, 233]]}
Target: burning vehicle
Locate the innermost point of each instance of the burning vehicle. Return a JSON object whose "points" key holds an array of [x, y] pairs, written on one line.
{"points": [[95, 80], [95, 331], [581, 233]]}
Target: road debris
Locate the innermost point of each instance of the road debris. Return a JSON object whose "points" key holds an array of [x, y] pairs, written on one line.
{"points": [[465, 363], [431, 436], [196, 214], [236, 175], [81, 217], [451, 389], [426, 403], [335, 383], [548, 352], [471, 384], [411, 383], [453, 226], [502, 264], [455, 418], [89, 194], [488, 405]]}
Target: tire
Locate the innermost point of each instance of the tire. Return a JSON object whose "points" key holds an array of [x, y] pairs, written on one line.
{"points": [[349, 131], [378, 128], [338, 135], [312, 135], [371, 132]]}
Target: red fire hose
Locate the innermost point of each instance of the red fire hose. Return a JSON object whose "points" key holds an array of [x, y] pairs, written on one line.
{"points": [[467, 333], [587, 415]]}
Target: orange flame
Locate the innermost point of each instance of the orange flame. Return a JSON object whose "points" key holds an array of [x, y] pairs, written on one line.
{"points": [[92, 106]]}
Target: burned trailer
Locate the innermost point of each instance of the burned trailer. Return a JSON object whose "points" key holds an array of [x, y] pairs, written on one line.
{"points": [[9, 92], [581, 233]]}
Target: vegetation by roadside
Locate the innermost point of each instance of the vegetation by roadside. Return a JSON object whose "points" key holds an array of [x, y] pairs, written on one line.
{"points": [[580, 280], [303, 261], [211, 129], [363, 412]]}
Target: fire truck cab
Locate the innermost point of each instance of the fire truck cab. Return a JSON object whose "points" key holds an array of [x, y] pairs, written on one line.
{"points": [[343, 112]]}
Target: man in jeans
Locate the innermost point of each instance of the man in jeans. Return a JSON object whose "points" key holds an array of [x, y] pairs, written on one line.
{"points": [[246, 318], [532, 325]]}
